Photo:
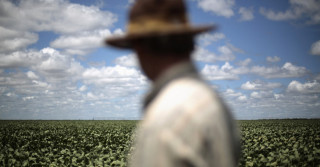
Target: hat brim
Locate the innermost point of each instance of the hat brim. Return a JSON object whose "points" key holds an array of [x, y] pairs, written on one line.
{"points": [[125, 41]]}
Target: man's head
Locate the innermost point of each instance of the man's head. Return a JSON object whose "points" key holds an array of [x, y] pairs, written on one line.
{"points": [[159, 31], [158, 53]]}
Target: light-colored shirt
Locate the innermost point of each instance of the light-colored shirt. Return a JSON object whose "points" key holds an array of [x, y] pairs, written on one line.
{"points": [[185, 124]]}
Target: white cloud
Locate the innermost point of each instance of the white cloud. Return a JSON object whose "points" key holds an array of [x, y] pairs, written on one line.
{"points": [[305, 88], [14, 79], [21, 59], [232, 93], [261, 94], [315, 48], [218, 7], [273, 59], [83, 88], [207, 38], [288, 70], [235, 49], [213, 72], [245, 62], [270, 14], [278, 96], [298, 9], [229, 72], [117, 76], [47, 62], [28, 98], [11, 40], [58, 16], [10, 94], [41, 84], [83, 42], [242, 98], [58, 66], [127, 61], [246, 14], [32, 75], [259, 85], [204, 55]]}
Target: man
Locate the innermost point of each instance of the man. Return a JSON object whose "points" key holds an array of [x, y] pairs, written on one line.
{"points": [[185, 122]]}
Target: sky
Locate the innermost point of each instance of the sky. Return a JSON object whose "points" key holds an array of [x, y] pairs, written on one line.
{"points": [[263, 60]]}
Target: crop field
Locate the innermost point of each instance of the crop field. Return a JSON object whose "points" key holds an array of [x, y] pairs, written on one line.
{"points": [[107, 143]]}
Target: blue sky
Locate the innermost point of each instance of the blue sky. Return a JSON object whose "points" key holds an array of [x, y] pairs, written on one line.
{"points": [[263, 59]]}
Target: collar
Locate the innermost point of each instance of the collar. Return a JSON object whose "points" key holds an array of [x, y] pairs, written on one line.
{"points": [[183, 69]]}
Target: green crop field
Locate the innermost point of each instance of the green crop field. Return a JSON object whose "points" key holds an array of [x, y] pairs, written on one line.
{"points": [[107, 143]]}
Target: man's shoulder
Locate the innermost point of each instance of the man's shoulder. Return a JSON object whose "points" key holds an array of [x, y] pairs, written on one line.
{"points": [[184, 95], [186, 88]]}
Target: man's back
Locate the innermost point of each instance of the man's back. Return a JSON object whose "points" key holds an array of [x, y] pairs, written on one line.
{"points": [[186, 124]]}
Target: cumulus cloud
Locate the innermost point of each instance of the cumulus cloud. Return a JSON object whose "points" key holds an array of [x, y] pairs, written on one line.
{"points": [[207, 38], [264, 104], [259, 85], [273, 59], [309, 9], [83, 88], [82, 28], [242, 98], [213, 72], [315, 48], [288, 70], [245, 62], [261, 94], [32, 75], [218, 7], [28, 98], [246, 14], [229, 72], [232, 95], [53, 78], [127, 61], [21, 59], [305, 88], [47, 62], [58, 66], [117, 75], [83, 42], [101, 89], [11, 40], [226, 53], [59, 16]]}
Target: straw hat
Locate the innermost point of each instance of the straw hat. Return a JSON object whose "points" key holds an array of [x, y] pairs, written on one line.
{"points": [[156, 18]]}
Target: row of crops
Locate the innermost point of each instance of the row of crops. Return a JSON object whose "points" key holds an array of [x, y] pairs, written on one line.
{"points": [[65, 143], [107, 143], [280, 143]]}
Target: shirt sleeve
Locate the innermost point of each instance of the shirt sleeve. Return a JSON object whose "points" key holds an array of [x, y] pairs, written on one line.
{"points": [[165, 149]]}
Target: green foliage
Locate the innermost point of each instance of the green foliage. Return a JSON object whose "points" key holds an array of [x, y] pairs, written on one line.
{"points": [[280, 143], [107, 143], [65, 143]]}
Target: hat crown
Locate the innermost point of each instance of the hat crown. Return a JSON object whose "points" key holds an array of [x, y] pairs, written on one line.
{"points": [[157, 18], [169, 11]]}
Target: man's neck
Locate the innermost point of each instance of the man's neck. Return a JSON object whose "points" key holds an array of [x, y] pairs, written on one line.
{"points": [[162, 64]]}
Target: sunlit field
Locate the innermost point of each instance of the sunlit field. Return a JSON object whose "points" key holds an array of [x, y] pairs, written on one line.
{"points": [[107, 143]]}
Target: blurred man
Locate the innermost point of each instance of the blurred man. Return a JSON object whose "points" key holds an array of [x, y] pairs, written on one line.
{"points": [[185, 123]]}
